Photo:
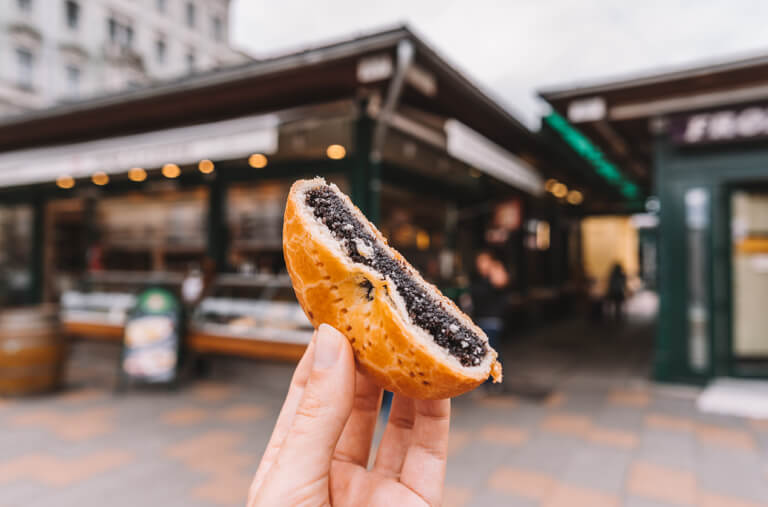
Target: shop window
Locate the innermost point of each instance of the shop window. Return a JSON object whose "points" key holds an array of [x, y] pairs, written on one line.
{"points": [[25, 62], [750, 274], [697, 212], [158, 231], [72, 14], [416, 226], [255, 224], [15, 253]]}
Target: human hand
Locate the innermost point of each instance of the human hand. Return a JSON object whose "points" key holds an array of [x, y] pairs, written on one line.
{"points": [[319, 449]]}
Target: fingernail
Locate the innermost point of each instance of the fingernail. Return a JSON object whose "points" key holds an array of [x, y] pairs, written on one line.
{"points": [[326, 347]]}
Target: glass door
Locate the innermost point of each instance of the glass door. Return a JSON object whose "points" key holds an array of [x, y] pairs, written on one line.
{"points": [[749, 270]]}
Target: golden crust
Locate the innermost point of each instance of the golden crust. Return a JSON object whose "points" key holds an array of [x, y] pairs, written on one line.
{"points": [[329, 291]]}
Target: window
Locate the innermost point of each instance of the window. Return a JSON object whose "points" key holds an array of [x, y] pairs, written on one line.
{"points": [[72, 10], [190, 61], [162, 5], [25, 62], [218, 29], [120, 33], [73, 80], [24, 5], [190, 14], [160, 50]]}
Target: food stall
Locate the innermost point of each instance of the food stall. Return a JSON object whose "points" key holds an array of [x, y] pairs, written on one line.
{"points": [[152, 186]]}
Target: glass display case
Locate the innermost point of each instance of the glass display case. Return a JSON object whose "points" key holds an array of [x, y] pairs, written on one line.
{"points": [[251, 315]]}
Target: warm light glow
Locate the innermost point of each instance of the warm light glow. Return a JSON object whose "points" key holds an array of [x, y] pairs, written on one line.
{"points": [[559, 190], [100, 178], [336, 152], [422, 240], [542, 235], [550, 184], [474, 173], [575, 197], [65, 181], [205, 166], [171, 171], [137, 174], [257, 161]]}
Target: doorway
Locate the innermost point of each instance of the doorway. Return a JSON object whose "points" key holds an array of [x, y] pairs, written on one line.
{"points": [[749, 279]]}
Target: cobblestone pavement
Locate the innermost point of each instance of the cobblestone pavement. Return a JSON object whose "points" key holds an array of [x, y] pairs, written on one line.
{"points": [[581, 427]]}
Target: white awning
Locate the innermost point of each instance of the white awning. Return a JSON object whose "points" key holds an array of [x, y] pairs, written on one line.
{"points": [[223, 140], [476, 150]]}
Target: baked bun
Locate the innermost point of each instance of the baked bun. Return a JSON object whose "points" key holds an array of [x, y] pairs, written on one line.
{"points": [[405, 334]]}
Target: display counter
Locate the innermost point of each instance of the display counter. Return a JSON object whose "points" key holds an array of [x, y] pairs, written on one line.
{"points": [[253, 316]]}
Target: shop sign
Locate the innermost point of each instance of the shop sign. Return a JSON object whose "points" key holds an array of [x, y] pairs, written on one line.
{"points": [[725, 125], [152, 338]]}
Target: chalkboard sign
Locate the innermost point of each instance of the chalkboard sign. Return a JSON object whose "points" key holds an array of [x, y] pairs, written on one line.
{"points": [[152, 338]]}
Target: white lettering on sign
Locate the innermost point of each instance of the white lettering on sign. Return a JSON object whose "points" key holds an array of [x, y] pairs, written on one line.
{"points": [[721, 126]]}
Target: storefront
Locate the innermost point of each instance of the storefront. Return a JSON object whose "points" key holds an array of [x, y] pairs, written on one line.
{"points": [[189, 179], [702, 132]]}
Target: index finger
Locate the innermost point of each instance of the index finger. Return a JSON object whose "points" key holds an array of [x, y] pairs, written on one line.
{"points": [[284, 420], [424, 467]]}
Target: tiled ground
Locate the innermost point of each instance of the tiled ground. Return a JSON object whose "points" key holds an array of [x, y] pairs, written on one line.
{"points": [[584, 430]]}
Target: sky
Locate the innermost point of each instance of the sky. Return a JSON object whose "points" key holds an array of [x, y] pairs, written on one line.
{"points": [[511, 48]]}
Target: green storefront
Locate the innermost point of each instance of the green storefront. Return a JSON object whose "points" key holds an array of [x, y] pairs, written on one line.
{"points": [[699, 138]]}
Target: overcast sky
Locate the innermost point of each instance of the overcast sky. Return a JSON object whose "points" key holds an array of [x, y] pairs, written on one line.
{"points": [[513, 47]]}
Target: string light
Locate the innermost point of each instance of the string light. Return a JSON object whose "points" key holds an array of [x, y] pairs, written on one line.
{"points": [[559, 190], [171, 171], [575, 197], [65, 181], [258, 161], [100, 178], [550, 184], [137, 174], [205, 166], [336, 152]]}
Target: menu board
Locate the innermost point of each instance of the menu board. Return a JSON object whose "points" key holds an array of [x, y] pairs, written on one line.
{"points": [[152, 338]]}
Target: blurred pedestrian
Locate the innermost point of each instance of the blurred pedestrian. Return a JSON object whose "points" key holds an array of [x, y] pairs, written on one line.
{"points": [[617, 291], [319, 450], [488, 294]]}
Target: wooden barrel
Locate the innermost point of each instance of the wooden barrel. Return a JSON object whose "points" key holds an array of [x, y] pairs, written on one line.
{"points": [[32, 350]]}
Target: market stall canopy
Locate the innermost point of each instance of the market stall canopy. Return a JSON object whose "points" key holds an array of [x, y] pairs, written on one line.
{"points": [[362, 68], [617, 120], [222, 140]]}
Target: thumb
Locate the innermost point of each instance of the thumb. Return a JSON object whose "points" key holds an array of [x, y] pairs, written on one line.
{"points": [[324, 408]]}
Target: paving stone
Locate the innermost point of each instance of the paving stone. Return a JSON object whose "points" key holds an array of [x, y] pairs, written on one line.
{"points": [[634, 501], [598, 468], [666, 447]]}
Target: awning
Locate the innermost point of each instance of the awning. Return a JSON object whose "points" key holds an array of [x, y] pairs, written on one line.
{"points": [[476, 150], [223, 140]]}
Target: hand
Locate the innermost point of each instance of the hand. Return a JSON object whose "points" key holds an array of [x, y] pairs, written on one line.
{"points": [[319, 449]]}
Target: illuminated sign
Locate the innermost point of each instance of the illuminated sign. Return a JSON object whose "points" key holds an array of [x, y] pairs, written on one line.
{"points": [[592, 154]]}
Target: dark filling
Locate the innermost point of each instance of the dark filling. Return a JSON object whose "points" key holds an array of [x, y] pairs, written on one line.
{"points": [[424, 311]]}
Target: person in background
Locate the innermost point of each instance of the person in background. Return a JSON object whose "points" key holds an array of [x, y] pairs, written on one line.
{"points": [[617, 291], [488, 296]]}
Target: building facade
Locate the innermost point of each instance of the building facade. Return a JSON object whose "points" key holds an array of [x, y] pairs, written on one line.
{"points": [[701, 134], [54, 51]]}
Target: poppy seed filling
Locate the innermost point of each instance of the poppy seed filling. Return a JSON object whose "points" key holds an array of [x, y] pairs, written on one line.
{"points": [[424, 311]]}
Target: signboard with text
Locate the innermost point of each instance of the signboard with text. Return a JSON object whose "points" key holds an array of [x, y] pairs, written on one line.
{"points": [[734, 124], [152, 339]]}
